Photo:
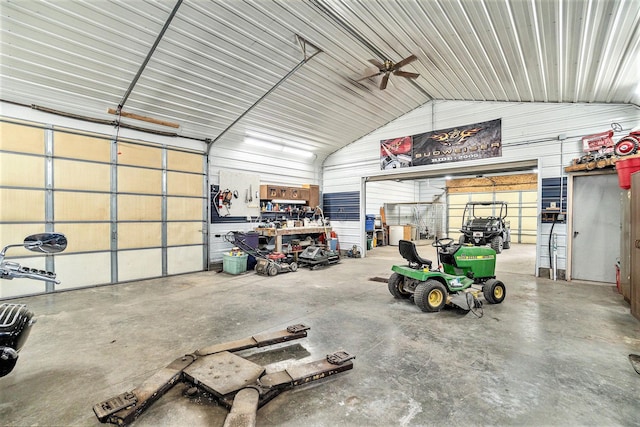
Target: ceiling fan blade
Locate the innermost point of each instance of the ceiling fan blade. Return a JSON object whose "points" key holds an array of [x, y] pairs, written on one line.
{"points": [[406, 74], [377, 63], [369, 76], [405, 61], [385, 79]]}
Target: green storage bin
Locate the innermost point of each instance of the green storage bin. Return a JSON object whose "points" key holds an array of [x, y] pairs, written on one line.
{"points": [[234, 264]]}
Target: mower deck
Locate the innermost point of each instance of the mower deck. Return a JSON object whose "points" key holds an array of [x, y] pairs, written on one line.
{"points": [[237, 383]]}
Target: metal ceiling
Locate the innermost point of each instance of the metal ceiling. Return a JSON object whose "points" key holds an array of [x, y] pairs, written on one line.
{"points": [[225, 68]]}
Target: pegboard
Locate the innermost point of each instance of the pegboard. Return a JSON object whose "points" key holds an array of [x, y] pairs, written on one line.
{"points": [[246, 193]]}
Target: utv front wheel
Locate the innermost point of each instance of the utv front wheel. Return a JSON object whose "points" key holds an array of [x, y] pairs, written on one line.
{"points": [[430, 296], [395, 283], [494, 291], [497, 244]]}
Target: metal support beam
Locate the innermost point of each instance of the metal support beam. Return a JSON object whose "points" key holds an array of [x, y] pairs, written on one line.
{"points": [[303, 44], [149, 55]]}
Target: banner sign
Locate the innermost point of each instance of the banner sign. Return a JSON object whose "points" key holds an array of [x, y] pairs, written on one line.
{"points": [[476, 141]]}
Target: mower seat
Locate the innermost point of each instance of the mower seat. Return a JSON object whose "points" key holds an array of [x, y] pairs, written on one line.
{"points": [[408, 251]]}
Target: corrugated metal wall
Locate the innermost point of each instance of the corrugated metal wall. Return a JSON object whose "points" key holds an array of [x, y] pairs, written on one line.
{"points": [[549, 134]]}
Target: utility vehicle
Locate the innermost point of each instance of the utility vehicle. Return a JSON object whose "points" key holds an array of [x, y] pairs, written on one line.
{"points": [[483, 223]]}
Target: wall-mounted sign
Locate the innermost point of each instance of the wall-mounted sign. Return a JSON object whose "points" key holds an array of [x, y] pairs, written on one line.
{"points": [[470, 142], [599, 141]]}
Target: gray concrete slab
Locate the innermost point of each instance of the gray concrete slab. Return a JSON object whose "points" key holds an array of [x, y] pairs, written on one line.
{"points": [[553, 353]]}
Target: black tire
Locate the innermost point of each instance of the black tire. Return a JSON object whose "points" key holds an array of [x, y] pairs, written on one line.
{"points": [[506, 244], [293, 266], [430, 296], [497, 244], [494, 291], [272, 270], [395, 283]]}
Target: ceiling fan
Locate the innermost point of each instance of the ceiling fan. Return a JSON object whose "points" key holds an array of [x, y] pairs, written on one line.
{"points": [[387, 67]]}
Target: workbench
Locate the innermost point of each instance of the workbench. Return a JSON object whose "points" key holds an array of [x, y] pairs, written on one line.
{"points": [[291, 231]]}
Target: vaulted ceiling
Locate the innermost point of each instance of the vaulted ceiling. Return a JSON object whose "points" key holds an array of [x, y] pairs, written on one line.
{"points": [[289, 70]]}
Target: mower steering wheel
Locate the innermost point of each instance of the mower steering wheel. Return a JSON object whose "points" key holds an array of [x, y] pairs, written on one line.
{"points": [[442, 243]]}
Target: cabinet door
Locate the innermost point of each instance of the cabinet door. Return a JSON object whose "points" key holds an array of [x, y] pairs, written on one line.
{"points": [[263, 192], [314, 196], [273, 192]]}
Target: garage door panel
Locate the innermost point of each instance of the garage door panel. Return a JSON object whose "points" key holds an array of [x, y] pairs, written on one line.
{"points": [[78, 206], [139, 207], [84, 147], [181, 161], [139, 235], [184, 184], [86, 237], [458, 199], [22, 205], [18, 170], [24, 139], [184, 233], [184, 259], [184, 208], [139, 155], [79, 175], [139, 264], [81, 270], [139, 180]]}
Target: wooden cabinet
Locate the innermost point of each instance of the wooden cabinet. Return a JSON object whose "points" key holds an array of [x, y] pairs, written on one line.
{"points": [[314, 195], [309, 196]]}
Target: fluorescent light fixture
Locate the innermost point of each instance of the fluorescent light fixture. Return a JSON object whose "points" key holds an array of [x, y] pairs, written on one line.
{"points": [[447, 177], [277, 145]]}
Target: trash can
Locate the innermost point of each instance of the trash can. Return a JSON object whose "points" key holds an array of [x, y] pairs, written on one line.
{"points": [[370, 222]]}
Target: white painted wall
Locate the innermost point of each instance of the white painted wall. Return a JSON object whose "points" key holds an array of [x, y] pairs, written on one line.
{"points": [[530, 131]]}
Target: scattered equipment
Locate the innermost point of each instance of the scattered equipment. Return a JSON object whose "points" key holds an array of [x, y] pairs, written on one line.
{"points": [[483, 223], [466, 272], [315, 256], [239, 384]]}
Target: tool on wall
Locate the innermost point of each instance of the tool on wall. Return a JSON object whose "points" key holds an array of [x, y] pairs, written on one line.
{"points": [[224, 199]]}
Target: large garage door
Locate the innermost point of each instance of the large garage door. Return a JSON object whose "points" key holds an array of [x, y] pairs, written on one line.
{"points": [[518, 191], [130, 210]]}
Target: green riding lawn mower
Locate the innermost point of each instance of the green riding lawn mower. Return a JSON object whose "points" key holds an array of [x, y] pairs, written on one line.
{"points": [[463, 274]]}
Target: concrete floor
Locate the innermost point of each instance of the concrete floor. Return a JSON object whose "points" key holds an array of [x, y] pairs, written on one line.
{"points": [[552, 353]]}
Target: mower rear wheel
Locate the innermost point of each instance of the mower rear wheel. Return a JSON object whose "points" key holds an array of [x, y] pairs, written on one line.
{"points": [[430, 296], [494, 291], [497, 244], [293, 266], [395, 283]]}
